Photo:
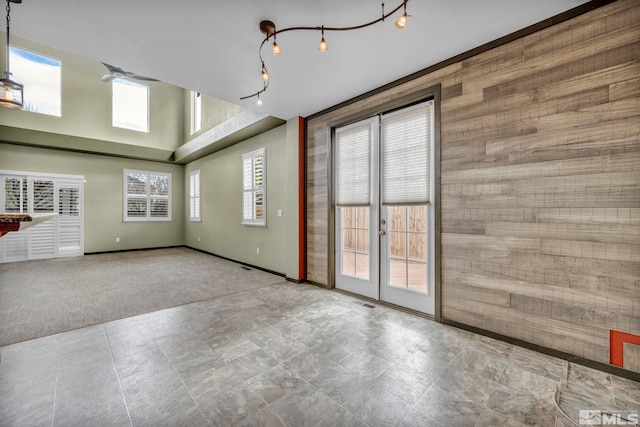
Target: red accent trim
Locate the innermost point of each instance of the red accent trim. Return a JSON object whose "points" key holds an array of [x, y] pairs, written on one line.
{"points": [[616, 346], [302, 238]]}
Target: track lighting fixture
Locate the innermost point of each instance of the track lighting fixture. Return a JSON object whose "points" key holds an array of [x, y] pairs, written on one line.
{"points": [[11, 90], [269, 29]]}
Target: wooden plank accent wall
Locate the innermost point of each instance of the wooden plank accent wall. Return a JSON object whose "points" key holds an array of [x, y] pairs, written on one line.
{"points": [[540, 183]]}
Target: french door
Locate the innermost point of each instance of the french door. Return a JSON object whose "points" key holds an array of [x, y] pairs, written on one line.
{"points": [[61, 236], [385, 209]]}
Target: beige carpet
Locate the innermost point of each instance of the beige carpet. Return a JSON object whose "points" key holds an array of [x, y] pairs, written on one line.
{"points": [[39, 298]]}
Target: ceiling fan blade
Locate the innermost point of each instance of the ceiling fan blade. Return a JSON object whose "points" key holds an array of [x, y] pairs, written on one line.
{"points": [[148, 79], [119, 73], [113, 69]]}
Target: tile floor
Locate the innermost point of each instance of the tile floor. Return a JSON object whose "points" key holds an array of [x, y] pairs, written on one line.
{"points": [[292, 355]]}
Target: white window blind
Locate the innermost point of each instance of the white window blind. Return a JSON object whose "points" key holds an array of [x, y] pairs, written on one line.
{"points": [[353, 164], [147, 196], [406, 153], [194, 195], [254, 202]]}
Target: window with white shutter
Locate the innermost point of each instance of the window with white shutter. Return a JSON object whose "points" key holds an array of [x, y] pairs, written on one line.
{"points": [[147, 196], [194, 196], [254, 200], [15, 195]]}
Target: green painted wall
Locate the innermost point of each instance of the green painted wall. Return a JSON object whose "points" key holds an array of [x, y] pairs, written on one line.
{"points": [[86, 125], [221, 231], [86, 105], [103, 195], [214, 112]]}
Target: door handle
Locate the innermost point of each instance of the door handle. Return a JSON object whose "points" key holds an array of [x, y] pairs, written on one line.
{"points": [[382, 232]]}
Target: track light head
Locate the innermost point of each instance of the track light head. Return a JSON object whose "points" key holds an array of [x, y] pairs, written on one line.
{"points": [[323, 44], [276, 49], [401, 23]]}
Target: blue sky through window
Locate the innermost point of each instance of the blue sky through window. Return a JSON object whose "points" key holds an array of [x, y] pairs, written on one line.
{"points": [[41, 77]]}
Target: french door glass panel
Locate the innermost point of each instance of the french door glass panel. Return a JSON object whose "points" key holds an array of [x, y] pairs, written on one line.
{"points": [[407, 247], [384, 250], [355, 245]]}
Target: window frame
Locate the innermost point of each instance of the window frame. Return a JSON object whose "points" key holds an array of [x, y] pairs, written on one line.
{"points": [[119, 81], [195, 198], [148, 196], [253, 190], [16, 75], [196, 112]]}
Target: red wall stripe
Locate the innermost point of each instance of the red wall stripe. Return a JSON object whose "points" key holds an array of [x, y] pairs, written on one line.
{"points": [[616, 346], [302, 247]]}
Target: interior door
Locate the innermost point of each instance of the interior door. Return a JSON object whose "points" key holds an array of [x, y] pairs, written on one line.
{"points": [[385, 241]]}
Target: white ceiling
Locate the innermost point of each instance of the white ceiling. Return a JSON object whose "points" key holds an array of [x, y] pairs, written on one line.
{"points": [[212, 45]]}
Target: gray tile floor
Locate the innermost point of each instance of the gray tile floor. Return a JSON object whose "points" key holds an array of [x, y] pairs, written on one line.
{"points": [[292, 355]]}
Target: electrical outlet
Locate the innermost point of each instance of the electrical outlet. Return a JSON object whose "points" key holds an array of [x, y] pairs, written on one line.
{"points": [[117, 240], [279, 212], [258, 251], [198, 238]]}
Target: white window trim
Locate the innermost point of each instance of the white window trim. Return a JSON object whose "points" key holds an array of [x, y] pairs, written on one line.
{"points": [[262, 222], [125, 197], [193, 197]]}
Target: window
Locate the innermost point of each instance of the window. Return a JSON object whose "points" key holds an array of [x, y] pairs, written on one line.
{"points": [[254, 200], [194, 196], [196, 112], [130, 105], [147, 196], [41, 76]]}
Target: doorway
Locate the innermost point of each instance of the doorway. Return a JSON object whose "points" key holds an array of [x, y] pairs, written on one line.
{"points": [[61, 236], [385, 207]]}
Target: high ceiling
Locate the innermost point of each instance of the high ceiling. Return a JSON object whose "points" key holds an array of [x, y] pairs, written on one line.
{"points": [[212, 46]]}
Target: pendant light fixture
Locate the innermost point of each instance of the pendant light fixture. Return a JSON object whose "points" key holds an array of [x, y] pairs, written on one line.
{"points": [[269, 29], [11, 90]]}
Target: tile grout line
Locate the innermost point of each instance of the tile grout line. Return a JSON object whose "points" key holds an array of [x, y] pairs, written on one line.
{"points": [[115, 367], [155, 340]]}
